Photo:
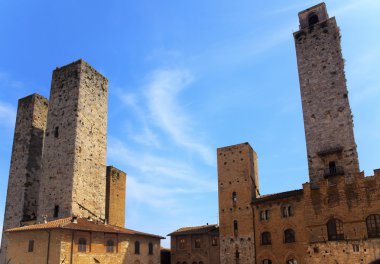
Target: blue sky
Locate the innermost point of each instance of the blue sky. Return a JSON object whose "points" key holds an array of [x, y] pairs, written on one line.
{"points": [[186, 77]]}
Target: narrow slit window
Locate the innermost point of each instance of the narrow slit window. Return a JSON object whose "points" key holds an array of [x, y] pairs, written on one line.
{"points": [[150, 248], [234, 198], [56, 211], [56, 132], [31, 246], [235, 228]]}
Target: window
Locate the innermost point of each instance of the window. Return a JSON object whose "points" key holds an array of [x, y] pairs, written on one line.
{"points": [[267, 261], [373, 225], [265, 238], [182, 243], [289, 236], [137, 247], [287, 211], [31, 246], [332, 167], [313, 19], [214, 241], [197, 243], [150, 248], [56, 211], [291, 261], [237, 256], [200, 262], [110, 246], [335, 229], [234, 198], [355, 247], [56, 132], [82, 245], [264, 215], [235, 228]]}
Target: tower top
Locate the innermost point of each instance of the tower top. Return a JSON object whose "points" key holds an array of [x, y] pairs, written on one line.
{"points": [[313, 15]]}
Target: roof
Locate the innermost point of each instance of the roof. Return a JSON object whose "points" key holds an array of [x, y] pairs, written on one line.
{"points": [[81, 224], [195, 230], [276, 196]]}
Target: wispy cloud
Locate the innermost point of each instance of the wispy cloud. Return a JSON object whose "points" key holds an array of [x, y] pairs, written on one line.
{"points": [[162, 94]]}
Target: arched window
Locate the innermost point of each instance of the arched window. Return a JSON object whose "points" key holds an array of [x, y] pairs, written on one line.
{"points": [[150, 248], [234, 198], [82, 245], [373, 225], [267, 261], [265, 238], [291, 261], [235, 228], [335, 229], [313, 19], [110, 246], [137, 247], [264, 215], [182, 243], [287, 211], [290, 236], [197, 243]]}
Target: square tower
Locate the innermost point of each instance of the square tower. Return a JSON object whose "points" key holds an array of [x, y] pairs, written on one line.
{"points": [[74, 160], [115, 196], [331, 147], [237, 185], [25, 170]]}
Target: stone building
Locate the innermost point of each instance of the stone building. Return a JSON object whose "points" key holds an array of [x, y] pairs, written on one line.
{"points": [[59, 182], [335, 217], [195, 245]]}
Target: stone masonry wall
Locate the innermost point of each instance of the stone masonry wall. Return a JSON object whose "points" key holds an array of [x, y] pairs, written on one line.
{"points": [[115, 196], [74, 158], [237, 173], [25, 168], [326, 110]]}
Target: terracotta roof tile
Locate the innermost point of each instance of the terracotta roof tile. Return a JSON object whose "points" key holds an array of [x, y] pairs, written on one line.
{"points": [[194, 230], [81, 224]]}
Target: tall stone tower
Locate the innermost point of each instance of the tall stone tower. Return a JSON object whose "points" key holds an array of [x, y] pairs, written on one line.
{"points": [[25, 171], [237, 185], [115, 196], [331, 147], [74, 156]]}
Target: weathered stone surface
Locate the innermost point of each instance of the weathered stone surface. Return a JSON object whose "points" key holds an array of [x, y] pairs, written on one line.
{"points": [[74, 161], [25, 170], [237, 185], [326, 110], [115, 196]]}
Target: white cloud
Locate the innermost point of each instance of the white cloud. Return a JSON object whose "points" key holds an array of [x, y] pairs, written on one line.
{"points": [[162, 94]]}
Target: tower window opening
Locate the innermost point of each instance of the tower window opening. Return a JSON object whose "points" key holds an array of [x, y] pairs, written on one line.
{"points": [[56, 211], [266, 238], [234, 198], [332, 167], [197, 243], [313, 19], [31, 246], [110, 246], [137, 248], [150, 248], [267, 261], [373, 225], [235, 228], [237, 256], [56, 132]]}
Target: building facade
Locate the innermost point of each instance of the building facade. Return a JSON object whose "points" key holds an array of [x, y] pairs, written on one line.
{"points": [[58, 171], [334, 218], [195, 245]]}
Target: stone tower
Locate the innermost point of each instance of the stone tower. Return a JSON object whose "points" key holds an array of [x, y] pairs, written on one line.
{"points": [[115, 196], [331, 147], [25, 170], [74, 156], [237, 185]]}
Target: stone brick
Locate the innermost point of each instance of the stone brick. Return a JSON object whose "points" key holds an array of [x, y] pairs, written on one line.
{"points": [[115, 196]]}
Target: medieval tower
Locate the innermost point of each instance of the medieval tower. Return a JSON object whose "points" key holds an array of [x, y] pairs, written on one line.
{"points": [[74, 159], [25, 170], [238, 185], [331, 147]]}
